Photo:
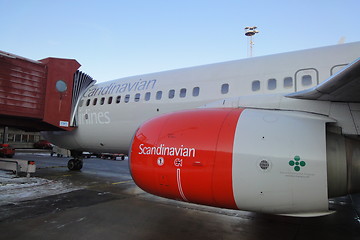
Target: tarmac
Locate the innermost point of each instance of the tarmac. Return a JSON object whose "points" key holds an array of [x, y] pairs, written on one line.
{"points": [[102, 202]]}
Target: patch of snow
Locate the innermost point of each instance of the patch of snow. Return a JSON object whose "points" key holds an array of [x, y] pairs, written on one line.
{"points": [[16, 189]]}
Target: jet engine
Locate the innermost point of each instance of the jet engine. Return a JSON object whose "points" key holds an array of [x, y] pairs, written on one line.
{"points": [[250, 159]]}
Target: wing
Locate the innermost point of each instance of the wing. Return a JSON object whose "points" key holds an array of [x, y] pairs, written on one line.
{"points": [[341, 87]]}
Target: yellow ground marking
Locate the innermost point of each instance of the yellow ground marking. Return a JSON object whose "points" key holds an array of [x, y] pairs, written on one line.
{"points": [[122, 182]]}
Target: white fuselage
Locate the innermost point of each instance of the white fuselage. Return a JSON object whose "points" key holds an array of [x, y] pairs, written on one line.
{"points": [[109, 113]]}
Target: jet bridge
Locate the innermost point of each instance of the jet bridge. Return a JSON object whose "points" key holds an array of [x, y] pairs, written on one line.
{"points": [[40, 95]]}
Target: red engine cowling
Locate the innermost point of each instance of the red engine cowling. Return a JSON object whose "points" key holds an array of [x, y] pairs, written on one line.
{"points": [[256, 160]]}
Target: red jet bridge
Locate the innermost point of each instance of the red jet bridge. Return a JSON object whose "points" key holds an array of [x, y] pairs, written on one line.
{"points": [[40, 95]]}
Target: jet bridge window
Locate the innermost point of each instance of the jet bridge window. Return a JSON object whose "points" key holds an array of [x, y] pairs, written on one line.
{"points": [[171, 93], [158, 95], [183, 92], [288, 82], [271, 83], [196, 91], [137, 97], [224, 88], [255, 86]]}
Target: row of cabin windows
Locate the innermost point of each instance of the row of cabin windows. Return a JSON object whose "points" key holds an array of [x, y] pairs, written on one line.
{"points": [[158, 96], [288, 82]]}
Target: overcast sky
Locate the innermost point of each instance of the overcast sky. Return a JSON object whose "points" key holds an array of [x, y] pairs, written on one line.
{"points": [[119, 38]]}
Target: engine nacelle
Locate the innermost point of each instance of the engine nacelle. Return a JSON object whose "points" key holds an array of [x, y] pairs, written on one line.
{"points": [[256, 160]]}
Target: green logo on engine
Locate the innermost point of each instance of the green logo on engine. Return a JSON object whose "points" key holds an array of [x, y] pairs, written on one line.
{"points": [[297, 164]]}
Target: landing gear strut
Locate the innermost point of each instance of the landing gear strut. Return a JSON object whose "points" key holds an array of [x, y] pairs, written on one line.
{"points": [[77, 162]]}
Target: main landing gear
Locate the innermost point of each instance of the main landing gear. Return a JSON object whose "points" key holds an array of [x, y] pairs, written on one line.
{"points": [[77, 162]]}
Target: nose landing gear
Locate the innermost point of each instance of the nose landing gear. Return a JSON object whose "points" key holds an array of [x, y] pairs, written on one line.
{"points": [[76, 163]]}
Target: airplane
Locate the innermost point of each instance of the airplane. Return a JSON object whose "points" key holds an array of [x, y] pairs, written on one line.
{"points": [[275, 134]]}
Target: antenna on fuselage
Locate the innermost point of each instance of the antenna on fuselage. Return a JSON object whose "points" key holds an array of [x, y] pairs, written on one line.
{"points": [[250, 32]]}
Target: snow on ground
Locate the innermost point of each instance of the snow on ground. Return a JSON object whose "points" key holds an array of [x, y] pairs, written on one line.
{"points": [[16, 189]]}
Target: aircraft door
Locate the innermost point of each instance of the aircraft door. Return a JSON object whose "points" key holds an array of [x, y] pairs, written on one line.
{"points": [[306, 78]]}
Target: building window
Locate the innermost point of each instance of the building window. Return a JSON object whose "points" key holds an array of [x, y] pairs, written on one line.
{"points": [[110, 100], [271, 83], [147, 96], [158, 95], [288, 82], [137, 97], [196, 91], [255, 86], [127, 98], [224, 88], [118, 99], [17, 137], [171, 93], [306, 80], [10, 137], [183, 92]]}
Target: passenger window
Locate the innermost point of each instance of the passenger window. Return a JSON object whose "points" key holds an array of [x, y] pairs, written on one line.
{"points": [[147, 96], [94, 101], [306, 80], [171, 93], [118, 99], [137, 97], [127, 98], [196, 91], [183, 92], [271, 83], [288, 82], [224, 88], [110, 100], [158, 95], [81, 103], [102, 100], [88, 102], [255, 85]]}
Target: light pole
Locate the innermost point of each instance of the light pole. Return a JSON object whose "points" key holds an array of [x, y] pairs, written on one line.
{"points": [[250, 32]]}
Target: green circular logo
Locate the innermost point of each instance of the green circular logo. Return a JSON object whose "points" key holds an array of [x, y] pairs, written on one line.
{"points": [[297, 163]]}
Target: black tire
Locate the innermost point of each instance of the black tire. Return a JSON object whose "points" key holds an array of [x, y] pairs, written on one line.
{"points": [[78, 164], [71, 165]]}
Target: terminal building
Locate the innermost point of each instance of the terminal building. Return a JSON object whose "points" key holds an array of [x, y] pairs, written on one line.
{"points": [[18, 138]]}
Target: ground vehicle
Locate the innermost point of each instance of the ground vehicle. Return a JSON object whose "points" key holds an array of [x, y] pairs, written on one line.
{"points": [[43, 144], [113, 156], [6, 151]]}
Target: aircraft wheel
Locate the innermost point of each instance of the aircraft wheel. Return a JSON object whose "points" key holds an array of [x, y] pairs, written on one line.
{"points": [[78, 164], [71, 164], [75, 164]]}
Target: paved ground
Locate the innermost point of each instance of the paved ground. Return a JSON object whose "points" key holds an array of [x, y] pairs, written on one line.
{"points": [[102, 202]]}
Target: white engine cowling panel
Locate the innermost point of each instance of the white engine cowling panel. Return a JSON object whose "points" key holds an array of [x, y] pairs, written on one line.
{"points": [[279, 162]]}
